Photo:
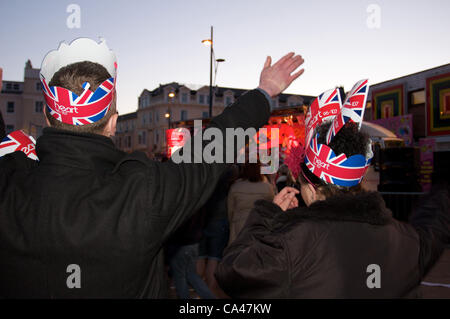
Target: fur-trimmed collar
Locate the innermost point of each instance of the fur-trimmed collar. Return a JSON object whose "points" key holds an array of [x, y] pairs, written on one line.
{"points": [[364, 207]]}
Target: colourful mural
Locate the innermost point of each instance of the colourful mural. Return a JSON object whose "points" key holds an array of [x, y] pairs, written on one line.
{"points": [[388, 102], [438, 105]]}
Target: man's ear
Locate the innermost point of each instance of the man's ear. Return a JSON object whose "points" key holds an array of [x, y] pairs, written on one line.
{"points": [[46, 118], [110, 128]]}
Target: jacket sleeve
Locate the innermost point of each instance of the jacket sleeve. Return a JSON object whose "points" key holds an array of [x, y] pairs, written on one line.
{"points": [[178, 190], [431, 220], [256, 264]]}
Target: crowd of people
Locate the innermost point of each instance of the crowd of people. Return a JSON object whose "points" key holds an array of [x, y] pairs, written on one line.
{"points": [[87, 220], [220, 221]]}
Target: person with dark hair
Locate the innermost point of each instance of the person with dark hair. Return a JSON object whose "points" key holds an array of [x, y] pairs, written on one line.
{"points": [[88, 220], [251, 186], [283, 178], [72, 77], [345, 242]]}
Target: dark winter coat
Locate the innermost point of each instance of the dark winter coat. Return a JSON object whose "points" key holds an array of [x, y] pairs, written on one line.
{"points": [[88, 204], [329, 249]]}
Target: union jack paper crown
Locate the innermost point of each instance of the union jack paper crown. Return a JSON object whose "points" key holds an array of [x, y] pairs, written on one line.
{"points": [[324, 108], [18, 141], [320, 159], [89, 107]]}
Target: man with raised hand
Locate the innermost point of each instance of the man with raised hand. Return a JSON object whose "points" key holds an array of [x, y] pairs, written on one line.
{"points": [[88, 220]]}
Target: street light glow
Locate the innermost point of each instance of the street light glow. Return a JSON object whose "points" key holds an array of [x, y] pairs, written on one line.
{"points": [[171, 94], [167, 115], [207, 42]]}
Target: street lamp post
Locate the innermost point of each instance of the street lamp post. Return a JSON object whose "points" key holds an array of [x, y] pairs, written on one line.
{"points": [[210, 74], [211, 60]]}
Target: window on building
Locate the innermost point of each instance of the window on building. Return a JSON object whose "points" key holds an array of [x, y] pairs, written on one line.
{"points": [[16, 87], [150, 117], [157, 116], [38, 106], [129, 141], [184, 98], [418, 97], [9, 128], [228, 100], [143, 119], [38, 86], [201, 99], [156, 137], [10, 107], [144, 137], [139, 139], [9, 86], [205, 115], [184, 115]]}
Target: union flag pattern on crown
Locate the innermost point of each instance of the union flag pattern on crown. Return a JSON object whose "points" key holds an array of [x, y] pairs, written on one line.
{"points": [[69, 108], [352, 110], [320, 159], [338, 170], [18, 141], [325, 107]]}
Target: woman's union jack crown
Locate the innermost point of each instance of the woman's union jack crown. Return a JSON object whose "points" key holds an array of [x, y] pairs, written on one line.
{"points": [[63, 104], [320, 159]]}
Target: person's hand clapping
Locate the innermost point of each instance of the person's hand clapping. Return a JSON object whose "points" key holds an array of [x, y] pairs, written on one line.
{"points": [[286, 198], [276, 78]]}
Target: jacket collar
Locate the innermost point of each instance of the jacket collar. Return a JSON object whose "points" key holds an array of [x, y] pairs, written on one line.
{"points": [[78, 150], [363, 207]]}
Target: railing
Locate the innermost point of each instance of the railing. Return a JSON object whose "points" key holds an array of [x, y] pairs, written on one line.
{"points": [[401, 203]]}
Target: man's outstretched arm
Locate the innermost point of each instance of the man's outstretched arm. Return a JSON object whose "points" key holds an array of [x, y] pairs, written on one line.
{"points": [[178, 190]]}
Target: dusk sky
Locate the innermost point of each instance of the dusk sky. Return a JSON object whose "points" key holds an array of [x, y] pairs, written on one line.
{"points": [[160, 41]]}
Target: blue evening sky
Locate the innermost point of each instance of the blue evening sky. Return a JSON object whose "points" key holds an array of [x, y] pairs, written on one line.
{"points": [[160, 41]]}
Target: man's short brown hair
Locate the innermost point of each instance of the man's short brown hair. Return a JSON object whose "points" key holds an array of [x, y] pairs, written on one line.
{"points": [[72, 77]]}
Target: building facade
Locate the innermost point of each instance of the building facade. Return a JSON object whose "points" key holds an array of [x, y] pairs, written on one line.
{"points": [[170, 105], [22, 103], [425, 95]]}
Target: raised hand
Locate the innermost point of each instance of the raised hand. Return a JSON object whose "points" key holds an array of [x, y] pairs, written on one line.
{"points": [[276, 78], [286, 198]]}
